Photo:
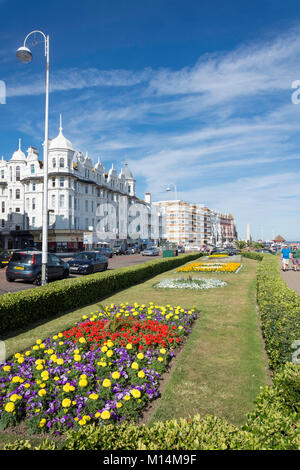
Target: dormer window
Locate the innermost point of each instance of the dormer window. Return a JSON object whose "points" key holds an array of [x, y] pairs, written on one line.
{"points": [[54, 162], [32, 169], [17, 173], [61, 163], [17, 194]]}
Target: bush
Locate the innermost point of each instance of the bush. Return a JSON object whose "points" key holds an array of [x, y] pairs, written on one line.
{"points": [[20, 309], [252, 255], [279, 309]]}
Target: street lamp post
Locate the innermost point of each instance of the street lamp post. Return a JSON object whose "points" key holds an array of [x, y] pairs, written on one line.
{"points": [[25, 55], [177, 222]]}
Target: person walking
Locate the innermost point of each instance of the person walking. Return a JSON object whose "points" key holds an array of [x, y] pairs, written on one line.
{"points": [[296, 258], [285, 257]]}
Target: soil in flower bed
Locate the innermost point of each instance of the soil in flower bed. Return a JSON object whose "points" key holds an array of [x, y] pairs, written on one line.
{"points": [[104, 369]]}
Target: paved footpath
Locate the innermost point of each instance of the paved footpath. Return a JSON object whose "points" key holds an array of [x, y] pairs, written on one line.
{"points": [[292, 278]]}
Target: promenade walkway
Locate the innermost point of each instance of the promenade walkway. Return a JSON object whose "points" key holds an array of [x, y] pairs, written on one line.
{"points": [[292, 278]]}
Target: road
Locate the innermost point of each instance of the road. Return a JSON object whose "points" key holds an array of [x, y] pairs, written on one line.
{"points": [[113, 263]]}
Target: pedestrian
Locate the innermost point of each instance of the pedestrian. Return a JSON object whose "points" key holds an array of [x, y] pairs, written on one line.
{"points": [[285, 257], [296, 258]]}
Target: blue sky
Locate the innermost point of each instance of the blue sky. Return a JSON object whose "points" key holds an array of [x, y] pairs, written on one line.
{"points": [[191, 93]]}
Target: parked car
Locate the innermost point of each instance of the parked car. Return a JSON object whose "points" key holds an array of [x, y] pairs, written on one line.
{"points": [[4, 258], [150, 252], [27, 265], [106, 251], [119, 250], [88, 262], [180, 249], [132, 250]]}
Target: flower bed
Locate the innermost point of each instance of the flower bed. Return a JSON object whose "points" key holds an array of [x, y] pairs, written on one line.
{"points": [[211, 267], [190, 283], [218, 256], [104, 369]]}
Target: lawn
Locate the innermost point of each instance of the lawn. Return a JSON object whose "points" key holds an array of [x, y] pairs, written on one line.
{"points": [[221, 367]]}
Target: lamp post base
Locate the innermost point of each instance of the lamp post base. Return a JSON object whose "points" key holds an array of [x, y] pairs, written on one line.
{"points": [[44, 274]]}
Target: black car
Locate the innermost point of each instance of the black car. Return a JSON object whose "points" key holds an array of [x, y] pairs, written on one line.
{"points": [[119, 250], [88, 262], [4, 258], [106, 251], [27, 265]]}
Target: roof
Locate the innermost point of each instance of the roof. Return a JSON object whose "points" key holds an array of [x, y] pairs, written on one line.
{"points": [[279, 238], [127, 173]]}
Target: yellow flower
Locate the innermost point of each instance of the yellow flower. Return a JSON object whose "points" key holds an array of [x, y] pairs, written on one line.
{"points": [[106, 383], [129, 346], [115, 375], [53, 357], [9, 407], [27, 385], [77, 358], [162, 351], [127, 397], [134, 366], [104, 349], [35, 347], [105, 414], [60, 361], [83, 383], [109, 353], [15, 397], [39, 367], [93, 396], [56, 378], [82, 422], [42, 392], [6, 368], [66, 403], [20, 360], [97, 415], [140, 356], [82, 340], [141, 374], [38, 341], [119, 405], [135, 393], [160, 359], [42, 423], [17, 379]]}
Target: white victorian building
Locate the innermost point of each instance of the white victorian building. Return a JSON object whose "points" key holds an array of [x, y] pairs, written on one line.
{"points": [[82, 198]]}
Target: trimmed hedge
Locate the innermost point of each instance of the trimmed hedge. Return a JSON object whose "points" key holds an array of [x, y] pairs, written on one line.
{"points": [[20, 309], [252, 255], [279, 309]]}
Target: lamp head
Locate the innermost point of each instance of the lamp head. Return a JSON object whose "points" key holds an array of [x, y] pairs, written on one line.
{"points": [[168, 189], [24, 54]]}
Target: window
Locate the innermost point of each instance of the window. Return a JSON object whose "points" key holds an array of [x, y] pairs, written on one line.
{"points": [[61, 200], [53, 201], [10, 173], [32, 169], [53, 182], [17, 173], [92, 209], [61, 182], [54, 162], [3, 206], [70, 202], [86, 189], [17, 194], [61, 163], [33, 204], [10, 194], [17, 209], [2, 174], [3, 223], [33, 221], [33, 186], [86, 206], [86, 224]]}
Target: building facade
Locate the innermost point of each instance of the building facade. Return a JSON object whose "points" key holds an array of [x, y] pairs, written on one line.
{"points": [[82, 198], [196, 225]]}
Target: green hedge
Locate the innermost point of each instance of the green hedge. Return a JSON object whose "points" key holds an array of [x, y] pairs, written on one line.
{"points": [[279, 309], [20, 309], [252, 255]]}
